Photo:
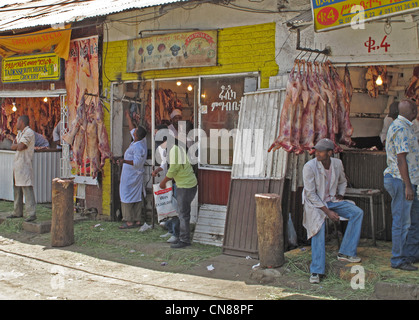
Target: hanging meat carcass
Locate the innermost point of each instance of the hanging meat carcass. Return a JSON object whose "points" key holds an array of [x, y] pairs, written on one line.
{"points": [[165, 102], [316, 106], [343, 103], [79, 143], [297, 126], [288, 112], [88, 136], [320, 118], [76, 123], [412, 91], [328, 86], [103, 140], [308, 132], [92, 148]]}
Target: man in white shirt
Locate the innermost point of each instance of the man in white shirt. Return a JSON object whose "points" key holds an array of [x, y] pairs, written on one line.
{"points": [[23, 177], [324, 188]]}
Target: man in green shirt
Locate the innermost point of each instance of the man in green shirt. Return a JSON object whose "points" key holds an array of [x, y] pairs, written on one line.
{"points": [[182, 172]]}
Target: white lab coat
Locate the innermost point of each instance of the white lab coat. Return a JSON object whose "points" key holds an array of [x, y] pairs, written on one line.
{"points": [[22, 165], [314, 192], [131, 183]]}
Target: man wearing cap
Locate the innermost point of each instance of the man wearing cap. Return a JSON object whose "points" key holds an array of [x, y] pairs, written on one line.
{"points": [[324, 188], [175, 117]]}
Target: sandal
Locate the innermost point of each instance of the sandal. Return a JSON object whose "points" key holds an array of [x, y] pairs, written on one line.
{"points": [[127, 226]]}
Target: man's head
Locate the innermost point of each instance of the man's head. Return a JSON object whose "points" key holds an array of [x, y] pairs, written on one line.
{"points": [[324, 149], [175, 117], [140, 133], [408, 109], [393, 111], [22, 122]]}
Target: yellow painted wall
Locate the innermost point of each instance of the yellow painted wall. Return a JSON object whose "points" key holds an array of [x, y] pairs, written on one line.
{"points": [[240, 49]]}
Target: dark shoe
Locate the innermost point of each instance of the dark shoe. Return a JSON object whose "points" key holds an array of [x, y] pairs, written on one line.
{"points": [[342, 257], [32, 218], [13, 217], [180, 244], [406, 267]]}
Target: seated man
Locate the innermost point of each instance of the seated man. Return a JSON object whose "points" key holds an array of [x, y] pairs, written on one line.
{"points": [[324, 187]]}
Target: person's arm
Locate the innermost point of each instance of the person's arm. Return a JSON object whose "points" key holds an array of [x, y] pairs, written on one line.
{"points": [[122, 161], [129, 120], [164, 181], [311, 193], [404, 173], [139, 159], [18, 146], [156, 171]]}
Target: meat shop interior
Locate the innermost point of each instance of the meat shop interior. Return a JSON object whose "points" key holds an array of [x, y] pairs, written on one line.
{"points": [[44, 113], [375, 89], [217, 97]]}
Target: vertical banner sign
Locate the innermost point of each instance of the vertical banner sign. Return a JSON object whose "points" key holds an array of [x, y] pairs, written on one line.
{"points": [[41, 67], [81, 75], [332, 14], [175, 50]]}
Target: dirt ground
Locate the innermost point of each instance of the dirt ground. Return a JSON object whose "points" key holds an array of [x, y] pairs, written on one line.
{"points": [[103, 240]]}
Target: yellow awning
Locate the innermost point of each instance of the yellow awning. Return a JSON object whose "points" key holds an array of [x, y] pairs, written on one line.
{"points": [[43, 41]]}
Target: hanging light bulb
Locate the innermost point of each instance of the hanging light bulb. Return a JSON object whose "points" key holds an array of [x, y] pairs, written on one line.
{"points": [[379, 81], [45, 99], [14, 109], [190, 88], [178, 83]]}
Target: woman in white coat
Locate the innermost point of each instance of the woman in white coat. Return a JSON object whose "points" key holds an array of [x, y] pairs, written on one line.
{"points": [[131, 183]]}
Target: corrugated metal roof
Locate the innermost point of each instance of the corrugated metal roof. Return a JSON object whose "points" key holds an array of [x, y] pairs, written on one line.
{"points": [[19, 14]]}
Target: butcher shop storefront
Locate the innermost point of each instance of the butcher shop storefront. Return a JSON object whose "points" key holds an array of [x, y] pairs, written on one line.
{"points": [[33, 85], [194, 76], [365, 68]]}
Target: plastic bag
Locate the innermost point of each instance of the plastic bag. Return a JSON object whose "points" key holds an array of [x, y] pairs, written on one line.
{"points": [[292, 235], [163, 199]]}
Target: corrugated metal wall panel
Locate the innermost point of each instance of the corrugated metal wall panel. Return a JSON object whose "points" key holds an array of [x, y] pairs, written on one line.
{"points": [[46, 166], [240, 238], [258, 127], [6, 174]]}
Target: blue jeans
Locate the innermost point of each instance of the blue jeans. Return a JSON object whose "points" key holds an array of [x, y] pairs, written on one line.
{"points": [[405, 227], [184, 199], [349, 242], [172, 225]]}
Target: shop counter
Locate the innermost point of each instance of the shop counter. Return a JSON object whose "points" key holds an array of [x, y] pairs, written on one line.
{"points": [[46, 166]]}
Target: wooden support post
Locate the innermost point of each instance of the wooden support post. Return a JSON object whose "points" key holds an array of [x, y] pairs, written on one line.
{"points": [[62, 224], [270, 230]]}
